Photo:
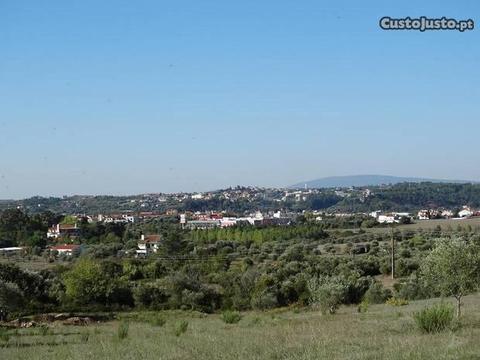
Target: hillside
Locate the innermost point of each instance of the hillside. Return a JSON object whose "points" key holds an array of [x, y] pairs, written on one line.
{"points": [[403, 196], [413, 196], [366, 180]]}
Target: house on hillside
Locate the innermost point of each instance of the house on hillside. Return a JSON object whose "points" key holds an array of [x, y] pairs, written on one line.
{"points": [[386, 219], [116, 218], [63, 230], [447, 214], [465, 212], [148, 244], [67, 249], [423, 215]]}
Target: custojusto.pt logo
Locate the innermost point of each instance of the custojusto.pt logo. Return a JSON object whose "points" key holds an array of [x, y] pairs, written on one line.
{"points": [[424, 23]]}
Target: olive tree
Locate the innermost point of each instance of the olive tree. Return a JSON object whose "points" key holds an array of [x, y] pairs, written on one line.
{"points": [[453, 269], [11, 299], [327, 293]]}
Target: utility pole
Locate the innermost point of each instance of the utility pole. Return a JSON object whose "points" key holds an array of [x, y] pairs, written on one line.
{"points": [[393, 254]]}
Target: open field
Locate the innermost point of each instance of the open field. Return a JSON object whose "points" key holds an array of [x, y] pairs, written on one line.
{"points": [[445, 224], [384, 332], [34, 263]]}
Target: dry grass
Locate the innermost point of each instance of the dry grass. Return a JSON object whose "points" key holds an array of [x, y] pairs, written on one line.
{"points": [[384, 332], [33, 263], [427, 225]]}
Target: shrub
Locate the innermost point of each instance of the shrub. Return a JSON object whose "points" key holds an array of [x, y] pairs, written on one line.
{"points": [[122, 330], [84, 337], [157, 320], [412, 289], [435, 318], [396, 301], [43, 330], [181, 327], [377, 294], [327, 293], [4, 335], [231, 317], [363, 306], [11, 297], [264, 300], [151, 295]]}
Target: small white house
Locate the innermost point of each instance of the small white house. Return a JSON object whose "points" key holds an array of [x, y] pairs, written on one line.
{"points": [[61, 230], [423, 215], [386, 219], [465, 212], [148, 244], [67, 249], [447, 214]]}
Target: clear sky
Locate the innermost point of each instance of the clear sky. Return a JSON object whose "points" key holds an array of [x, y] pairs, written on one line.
{"points": [[124, 97]]}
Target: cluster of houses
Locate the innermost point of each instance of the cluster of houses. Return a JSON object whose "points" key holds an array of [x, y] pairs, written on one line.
{"points": [[391, 217], [465, 212], [148, 244], [214, 220], [424, 214]]}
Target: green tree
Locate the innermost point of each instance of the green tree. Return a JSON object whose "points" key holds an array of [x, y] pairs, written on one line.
{"points": [[91, 282], [453, 269], [11, 298], [327, 293]]}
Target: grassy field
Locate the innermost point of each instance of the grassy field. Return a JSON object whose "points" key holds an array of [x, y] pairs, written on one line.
{"points": [[384, 332], [445, 224], [34, 263]]}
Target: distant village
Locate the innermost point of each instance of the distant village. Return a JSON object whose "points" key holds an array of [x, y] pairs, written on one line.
{"points": [[64, 234], [148, 244]]}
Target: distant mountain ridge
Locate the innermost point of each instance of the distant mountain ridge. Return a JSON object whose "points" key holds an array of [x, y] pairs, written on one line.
{"points": [[368, 180]]}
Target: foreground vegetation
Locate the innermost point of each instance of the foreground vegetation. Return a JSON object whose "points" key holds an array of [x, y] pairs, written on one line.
{"points": [[382, 332]]}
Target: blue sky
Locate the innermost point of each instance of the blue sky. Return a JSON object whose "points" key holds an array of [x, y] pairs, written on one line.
{"points": [[124, 97]]}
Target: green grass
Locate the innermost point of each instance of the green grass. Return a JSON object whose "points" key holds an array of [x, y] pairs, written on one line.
{"points": [[438, 317], [383, 332]]}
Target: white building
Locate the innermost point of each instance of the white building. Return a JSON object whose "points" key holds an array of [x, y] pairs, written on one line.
{"points": [[148, 244], [447, 214], [465, 212], [228, 221], [423, 215], [61, 230], [386, 219], [67, 249], [116, 219]]}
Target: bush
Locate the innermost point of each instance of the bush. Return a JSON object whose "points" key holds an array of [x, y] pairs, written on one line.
{"points": [[377, 294], [157, 320], [435, 318], [181, 327], [43, 330], [231, 317], [363, 306], [84, 336], [264, 300], [11, 297], [396, 301], [413, 289], [122, 330], [4, 335], [151, 295], [327, 293]]}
